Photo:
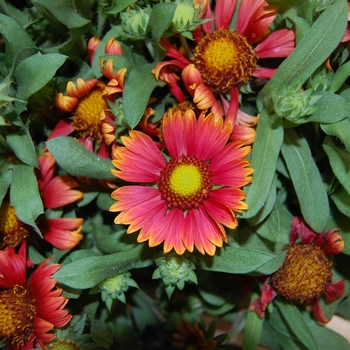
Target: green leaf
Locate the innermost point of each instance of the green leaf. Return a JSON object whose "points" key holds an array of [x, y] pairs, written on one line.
{"points": [[340, 162], [23, 146], [120, 6], [76, 160], [138, 87], [16, 38], [88, 272], [330, 108], [340, 76], [252, 329], [302, 7], [101, 333], [317, 44], [297, 324], [340, 130], [234, 260], [35, 72], [341, 199], [25, 196], [62, 16], [266, 148], [6, 170], [160, 19], [306, 179]]}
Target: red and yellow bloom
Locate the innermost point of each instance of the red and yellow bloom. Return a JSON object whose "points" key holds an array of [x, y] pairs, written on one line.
{"points": [[29, 310], [191, 196]]}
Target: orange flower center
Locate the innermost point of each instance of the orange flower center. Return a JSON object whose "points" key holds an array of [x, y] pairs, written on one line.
{"points": [[86, 118], [304, 275], [16, 316], [12, 231], [185, 183], [224, 59]]}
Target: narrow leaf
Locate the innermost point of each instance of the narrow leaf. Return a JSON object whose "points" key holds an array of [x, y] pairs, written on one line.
{"points": [[297, 324], [306, 179], [234, 260], [76, 160], [341, 199], [88, 272], [6, 170], [340, 162], [252, 329], [340, 130], [266, 148], [25, 196], [340, 76]]}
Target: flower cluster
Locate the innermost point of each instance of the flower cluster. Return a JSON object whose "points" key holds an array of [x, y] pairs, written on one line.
{"points": [[195, 150]]}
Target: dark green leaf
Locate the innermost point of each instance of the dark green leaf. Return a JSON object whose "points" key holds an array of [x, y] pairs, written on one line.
{"points": [[234, 260], [297, 324], [16, 38], [138, 87], [301, 7], [74, 158], [160, 19], [252, 329], [25, 196], [339, 129], [272, 265], [340, 162], [35, 72], [266, 148], [306, 179], [23, 146], [101, 333], [88, 272]]}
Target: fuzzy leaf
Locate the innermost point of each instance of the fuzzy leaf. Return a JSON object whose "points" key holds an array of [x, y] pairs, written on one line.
{"points": [[306, 179], [340, 76], [160, 19], [23, 146], [6, 170], [234, 260], [266, 148], [25, 196], [340, 162], [342, 200], [74, 158], [35, 72], [120, 6], [88, 272], [297, 324], [138, 87]]}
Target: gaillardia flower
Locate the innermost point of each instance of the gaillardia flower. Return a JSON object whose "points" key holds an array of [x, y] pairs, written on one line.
{"points": [[306, 272], [28, 311], [186, 198]]}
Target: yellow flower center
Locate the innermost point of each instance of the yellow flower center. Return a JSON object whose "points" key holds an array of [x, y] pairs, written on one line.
{"points": [[185, 183], [12, 231], [16, 316], [304, 275], [224, 59], [86, 118]]}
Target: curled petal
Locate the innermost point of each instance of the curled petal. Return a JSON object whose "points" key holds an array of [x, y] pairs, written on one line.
{"points": [[108, 69], [113, 47], [335, 290], [93, 44], [83, 87], [65, 103], [333, 243], [318, 312]]}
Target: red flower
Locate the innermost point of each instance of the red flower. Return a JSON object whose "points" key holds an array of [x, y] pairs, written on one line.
{"points": [[57, 192], [29, 310]]}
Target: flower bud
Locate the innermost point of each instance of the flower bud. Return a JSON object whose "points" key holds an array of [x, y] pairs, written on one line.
{"points": [[135, 22]]}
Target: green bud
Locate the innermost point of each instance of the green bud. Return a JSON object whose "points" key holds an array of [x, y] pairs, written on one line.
{"points": [[174, 270], [115, 287], [64, 344], [135, 22]]}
